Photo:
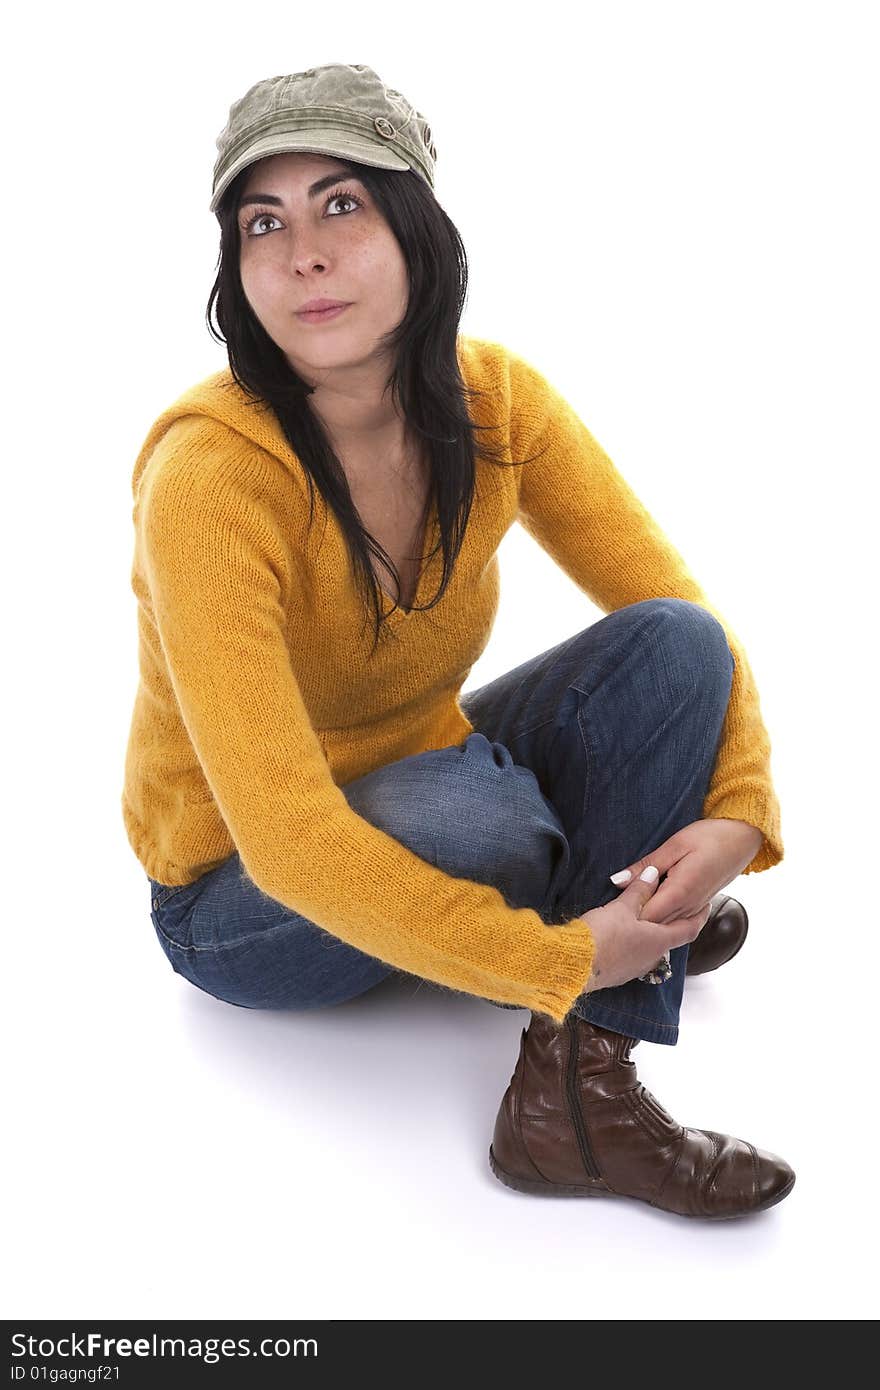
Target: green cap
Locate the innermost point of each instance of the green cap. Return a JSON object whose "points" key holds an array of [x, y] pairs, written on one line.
{"points": [[341, 109]]}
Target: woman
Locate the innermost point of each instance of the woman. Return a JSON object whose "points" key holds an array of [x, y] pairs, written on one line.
{"points": [[315, 807]]}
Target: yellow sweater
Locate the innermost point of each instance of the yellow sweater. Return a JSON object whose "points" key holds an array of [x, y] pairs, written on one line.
{"points": [[256, 703]]}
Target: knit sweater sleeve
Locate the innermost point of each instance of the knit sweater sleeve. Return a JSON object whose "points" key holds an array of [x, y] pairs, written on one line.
{"points": [[574, 502], [222, 588]]}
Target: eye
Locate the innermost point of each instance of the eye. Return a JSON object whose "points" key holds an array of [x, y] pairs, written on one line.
{"points": [[259, 217], [339, 196], [343, 197]]}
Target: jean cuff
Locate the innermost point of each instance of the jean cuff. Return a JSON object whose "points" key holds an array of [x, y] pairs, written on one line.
{"points": [[645, 1029]]}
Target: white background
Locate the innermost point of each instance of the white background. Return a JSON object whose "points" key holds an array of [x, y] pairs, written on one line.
{"points": [[671, 211]]}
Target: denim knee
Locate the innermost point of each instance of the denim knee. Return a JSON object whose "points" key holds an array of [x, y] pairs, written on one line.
{"points": [[697, 640], [470, 810]]}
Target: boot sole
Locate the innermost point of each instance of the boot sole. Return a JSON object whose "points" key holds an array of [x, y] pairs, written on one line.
{"points": [[600, 1189], [549, 1189]]}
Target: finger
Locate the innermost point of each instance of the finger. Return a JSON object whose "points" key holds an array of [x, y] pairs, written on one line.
{"points": [[651, 913], [642, 888], [653, 910], [685, 930], [662, 858], [682, 929], [683, 890], [668, 904]]}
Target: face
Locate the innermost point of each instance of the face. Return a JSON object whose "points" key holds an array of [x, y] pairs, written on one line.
{"points": [[300, 243]]}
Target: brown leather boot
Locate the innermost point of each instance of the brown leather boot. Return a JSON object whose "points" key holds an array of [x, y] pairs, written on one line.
{"points": [[576, 1121]]}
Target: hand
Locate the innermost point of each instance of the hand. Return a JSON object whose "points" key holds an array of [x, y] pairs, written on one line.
{"points": [[627, 944], [698, 860]]}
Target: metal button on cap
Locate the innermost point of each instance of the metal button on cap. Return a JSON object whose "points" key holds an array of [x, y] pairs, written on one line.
{"points": [[384, 127]]}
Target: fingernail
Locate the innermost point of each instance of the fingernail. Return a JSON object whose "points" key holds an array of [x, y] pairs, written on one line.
{"points": [[622, 877], [650, 873]]}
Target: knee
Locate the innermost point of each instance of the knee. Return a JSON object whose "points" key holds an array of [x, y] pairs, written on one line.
{"points": [[470, 810], [692, 642], [500, 827]]}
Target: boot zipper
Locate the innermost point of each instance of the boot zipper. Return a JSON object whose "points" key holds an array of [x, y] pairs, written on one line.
{"points": [[580, 1130]]}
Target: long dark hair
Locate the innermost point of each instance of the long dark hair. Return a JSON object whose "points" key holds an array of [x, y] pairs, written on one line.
{"points": [[426, 381]]}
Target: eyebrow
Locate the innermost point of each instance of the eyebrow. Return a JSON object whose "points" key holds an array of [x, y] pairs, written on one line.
{"points": [[313, 191]]}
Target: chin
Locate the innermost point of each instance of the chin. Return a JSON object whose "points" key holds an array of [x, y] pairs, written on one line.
{"points": [[338, 348]]}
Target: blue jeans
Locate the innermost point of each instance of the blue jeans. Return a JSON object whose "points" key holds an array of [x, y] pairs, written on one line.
{"points": [[582, 759]]}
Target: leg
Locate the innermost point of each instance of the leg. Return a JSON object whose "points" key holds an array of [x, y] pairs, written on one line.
{"points": [[620, 725], [230, 940], [227, 937]]}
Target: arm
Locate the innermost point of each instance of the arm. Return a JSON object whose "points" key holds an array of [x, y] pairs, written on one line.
{"points": [[222, 586], [578, 507]]}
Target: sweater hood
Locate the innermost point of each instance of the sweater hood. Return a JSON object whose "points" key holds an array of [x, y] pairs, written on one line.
{"points": [[220, 398]]}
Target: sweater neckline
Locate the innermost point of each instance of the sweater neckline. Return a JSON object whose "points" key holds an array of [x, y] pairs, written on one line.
{"points": [[393, 613]]}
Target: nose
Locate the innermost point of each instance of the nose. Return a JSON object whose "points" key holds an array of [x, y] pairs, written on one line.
{"points": [[304, 261]]}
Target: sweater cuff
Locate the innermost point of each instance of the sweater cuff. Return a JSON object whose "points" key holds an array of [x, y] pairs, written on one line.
{"points": [[756, 809], [573, 968]]}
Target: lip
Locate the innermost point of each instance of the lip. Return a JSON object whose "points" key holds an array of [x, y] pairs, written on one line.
{"points": [[323, 310]]}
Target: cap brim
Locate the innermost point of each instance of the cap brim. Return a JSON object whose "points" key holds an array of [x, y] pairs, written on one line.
{"points": [[343, 143]]}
